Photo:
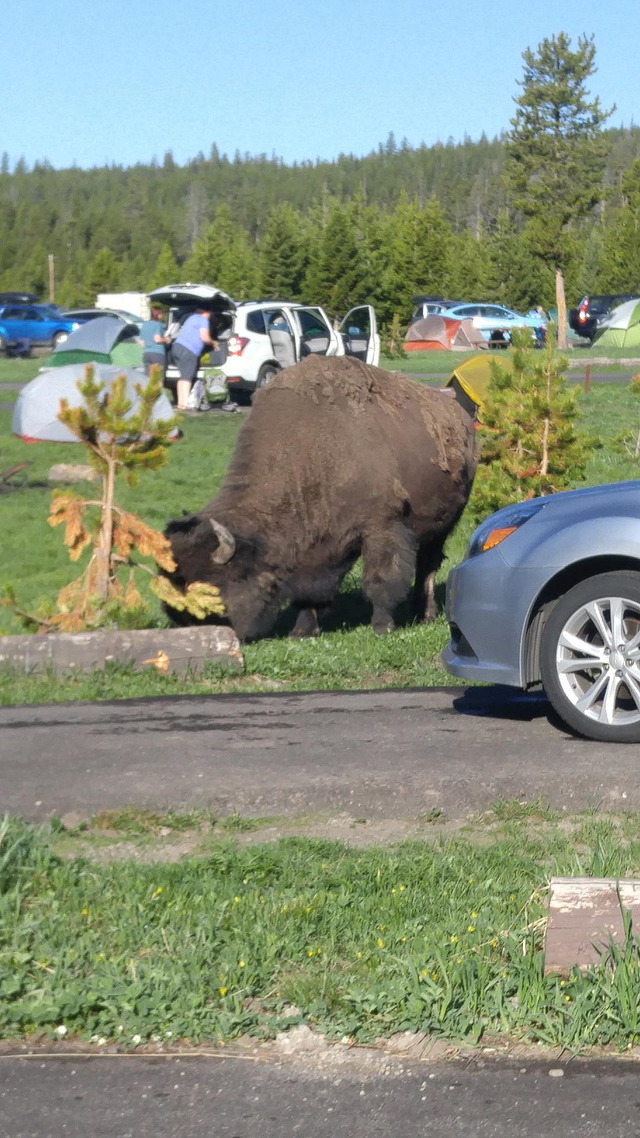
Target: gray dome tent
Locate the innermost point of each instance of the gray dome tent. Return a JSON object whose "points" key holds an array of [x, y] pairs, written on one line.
{"points": [[35, 415], [106, 340]]}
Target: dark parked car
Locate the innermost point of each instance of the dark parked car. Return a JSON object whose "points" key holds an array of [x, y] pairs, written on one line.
{"points": [[592, 309], [18, 298]]}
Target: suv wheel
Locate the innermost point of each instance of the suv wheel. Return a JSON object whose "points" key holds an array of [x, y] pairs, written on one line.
{"points": [[590, 658], [267, 373], [59, 338]]}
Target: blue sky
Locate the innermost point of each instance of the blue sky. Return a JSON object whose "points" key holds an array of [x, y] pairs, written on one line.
{"points": [[90, 83]]}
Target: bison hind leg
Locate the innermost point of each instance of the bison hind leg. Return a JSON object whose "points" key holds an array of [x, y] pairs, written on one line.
{"points": [[306, 624], [389, 560], [424, 594]]}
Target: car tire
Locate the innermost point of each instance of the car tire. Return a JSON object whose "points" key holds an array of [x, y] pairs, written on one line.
{"points": [[59, 338], [590, 657], [266, 375], [3, 345]]}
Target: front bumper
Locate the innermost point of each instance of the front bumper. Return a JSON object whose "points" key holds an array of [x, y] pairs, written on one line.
{"points": [[488, 603]]}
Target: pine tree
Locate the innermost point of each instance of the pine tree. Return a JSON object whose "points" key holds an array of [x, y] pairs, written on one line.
{"points": [[282, 254], [555, 150], [620, 253], [165, 270], [224, 257], [120, 442], [102, 275], [530, 445]]}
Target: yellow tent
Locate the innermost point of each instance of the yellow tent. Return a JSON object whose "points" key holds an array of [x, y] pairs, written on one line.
{"points": [[470, 380]]}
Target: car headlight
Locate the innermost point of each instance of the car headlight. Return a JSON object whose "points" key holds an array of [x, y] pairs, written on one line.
{"points": [[499, 526]]}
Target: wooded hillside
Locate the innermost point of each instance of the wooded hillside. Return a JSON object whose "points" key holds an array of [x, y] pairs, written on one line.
{"points": [[382, 227]]}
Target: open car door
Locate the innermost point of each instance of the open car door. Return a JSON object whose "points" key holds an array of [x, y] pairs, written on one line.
{"points": [[359, 332]]}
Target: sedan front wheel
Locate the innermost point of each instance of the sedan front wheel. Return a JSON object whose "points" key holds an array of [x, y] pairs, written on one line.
{"points": [[590, 657]]}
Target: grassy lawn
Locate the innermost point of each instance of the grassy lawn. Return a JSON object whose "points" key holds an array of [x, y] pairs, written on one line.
{"points": [[443, 936], [348, 655]]}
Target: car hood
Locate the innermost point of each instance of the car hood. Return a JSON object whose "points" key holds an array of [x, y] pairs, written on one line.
{"points": [[606, 491], [183, 295]]}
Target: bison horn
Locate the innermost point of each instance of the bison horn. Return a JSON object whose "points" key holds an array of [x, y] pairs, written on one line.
{"points": [[226, 543]]}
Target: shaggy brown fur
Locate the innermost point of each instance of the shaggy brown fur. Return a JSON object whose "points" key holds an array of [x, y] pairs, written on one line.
{"points": [[336, 460]]}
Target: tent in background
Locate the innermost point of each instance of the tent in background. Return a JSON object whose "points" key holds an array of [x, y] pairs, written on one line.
{"points": [[106, 340], [470, 380], [621, 328], [437, 332], [35, 415]]}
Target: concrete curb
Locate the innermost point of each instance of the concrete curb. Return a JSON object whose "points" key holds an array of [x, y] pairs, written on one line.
{"points": [[168, 650]]}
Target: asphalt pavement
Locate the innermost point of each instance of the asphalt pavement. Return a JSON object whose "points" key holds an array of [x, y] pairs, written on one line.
{"points": [[381, 754], [136, 1097]]}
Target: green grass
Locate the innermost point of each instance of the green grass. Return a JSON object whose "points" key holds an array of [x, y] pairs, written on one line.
{"points": [[347, 655], [444, 937]]}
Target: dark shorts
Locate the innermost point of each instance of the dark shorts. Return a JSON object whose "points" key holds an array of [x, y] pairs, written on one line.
{"points": [[185, 361], [151, 358]]}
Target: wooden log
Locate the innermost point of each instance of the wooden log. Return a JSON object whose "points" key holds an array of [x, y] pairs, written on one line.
{"points": [[168, 650]]}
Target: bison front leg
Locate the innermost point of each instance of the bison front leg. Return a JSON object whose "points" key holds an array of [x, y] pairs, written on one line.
{"points": [[389, 560], [306, 624]]}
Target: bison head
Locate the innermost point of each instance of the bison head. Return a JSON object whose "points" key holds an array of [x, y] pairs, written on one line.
{"points": [[205, 550]]}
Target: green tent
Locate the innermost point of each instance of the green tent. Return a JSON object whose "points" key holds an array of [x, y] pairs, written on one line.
{"points": [[621, 328], [106, 340]]}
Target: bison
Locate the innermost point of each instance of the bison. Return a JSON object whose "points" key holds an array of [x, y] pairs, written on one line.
{"points": [[337, 460]]}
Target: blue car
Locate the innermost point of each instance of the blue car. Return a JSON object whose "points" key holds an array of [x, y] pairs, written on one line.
{"points": [[492, 318], [33, 324], [549, 593]]}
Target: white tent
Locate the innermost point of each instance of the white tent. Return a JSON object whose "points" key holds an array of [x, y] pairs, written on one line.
{"points": [[35, 416]]}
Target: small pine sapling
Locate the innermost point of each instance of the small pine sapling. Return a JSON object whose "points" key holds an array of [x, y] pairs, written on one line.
{"points": [[121, 442], [629, 441], [530, 445]]}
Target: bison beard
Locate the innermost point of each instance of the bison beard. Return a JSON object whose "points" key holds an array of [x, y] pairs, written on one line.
{"points": [[337, 460]]}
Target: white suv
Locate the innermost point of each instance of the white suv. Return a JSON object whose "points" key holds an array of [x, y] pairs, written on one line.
{"points": [[260, 337]]}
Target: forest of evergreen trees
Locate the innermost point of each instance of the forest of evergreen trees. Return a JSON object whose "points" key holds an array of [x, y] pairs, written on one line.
{"points": [[379, 228]]}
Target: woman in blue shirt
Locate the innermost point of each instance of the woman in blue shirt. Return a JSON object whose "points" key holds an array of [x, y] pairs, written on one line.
{"points": [[191, 341], [153, 340]]}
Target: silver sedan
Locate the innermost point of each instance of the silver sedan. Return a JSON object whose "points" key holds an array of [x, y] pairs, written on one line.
{"points": [[549, 592]]}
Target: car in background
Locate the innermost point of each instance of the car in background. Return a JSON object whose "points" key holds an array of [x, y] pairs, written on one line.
{"points": [[19, 298], [83, 315], [33, 324], [549, 593], [258, 338], [490, 319], [430, 306], [586, 318]]}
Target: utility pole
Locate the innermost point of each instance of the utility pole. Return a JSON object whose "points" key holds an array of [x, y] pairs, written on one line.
{"points": [[52, 277]]}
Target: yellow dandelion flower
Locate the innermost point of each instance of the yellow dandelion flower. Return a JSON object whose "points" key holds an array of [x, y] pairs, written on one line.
{"points": [[237, 900], [471, 928], [311, 952], [402, 888], [458, 960], [359, 955], [394, 889], [424, 971], [158, 891], [242, 964], [568, 998], [223, 991], [453, 939], [494, 943], [380, 942], [473, 916], [85, 912]]}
